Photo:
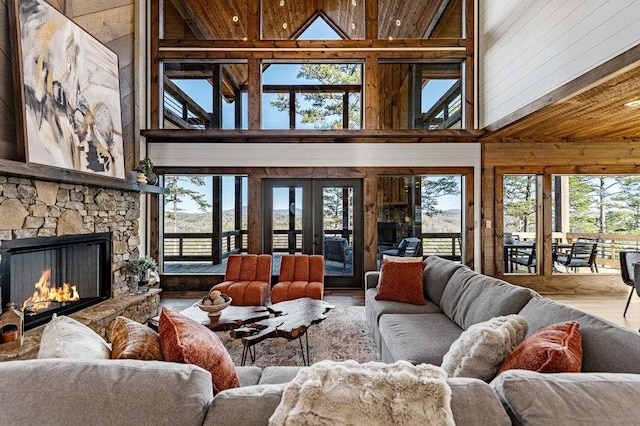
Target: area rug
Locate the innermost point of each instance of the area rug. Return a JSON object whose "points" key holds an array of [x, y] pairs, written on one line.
{"points": [[343, 335]]}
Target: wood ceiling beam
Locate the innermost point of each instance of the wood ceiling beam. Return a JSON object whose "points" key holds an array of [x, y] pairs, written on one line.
{"points": [[440, 43]]}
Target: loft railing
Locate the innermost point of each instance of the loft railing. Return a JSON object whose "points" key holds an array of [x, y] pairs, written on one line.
{"points": [[200, 246], [181, 110], [445, 113]]}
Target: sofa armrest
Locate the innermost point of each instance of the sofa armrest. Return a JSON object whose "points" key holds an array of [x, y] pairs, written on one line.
{"points": [[371, 279]]}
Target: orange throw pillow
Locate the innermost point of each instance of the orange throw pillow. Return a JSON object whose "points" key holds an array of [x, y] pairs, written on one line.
{"points": [[186, 341], [401, 282], [553, 349]]}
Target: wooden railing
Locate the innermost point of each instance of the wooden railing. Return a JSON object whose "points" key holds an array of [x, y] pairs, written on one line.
{"points": [[290, 241], [200, 246], [181, 110], [443, 244], [445, 112], [609, 246]]}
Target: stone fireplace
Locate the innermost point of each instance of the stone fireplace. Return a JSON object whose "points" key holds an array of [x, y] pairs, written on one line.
{"points": [[51, 275], [31, 208]]}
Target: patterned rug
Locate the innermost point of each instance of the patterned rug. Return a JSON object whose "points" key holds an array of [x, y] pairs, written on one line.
{"points": [[343, 335]]}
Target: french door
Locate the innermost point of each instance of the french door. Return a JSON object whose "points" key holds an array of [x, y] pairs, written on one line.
{"points": [[316, 216]]}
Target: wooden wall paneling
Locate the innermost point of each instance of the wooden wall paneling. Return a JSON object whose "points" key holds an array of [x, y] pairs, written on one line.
{"points": [[154, 231], [124, 48], [109, 25], [18, 92], [371, 19], [371, 95], [84, 7], [469, 218], [545, 258], [254, 84], [469, 66], [254, 213], [498, 223], [154, 71], [370, 222]]}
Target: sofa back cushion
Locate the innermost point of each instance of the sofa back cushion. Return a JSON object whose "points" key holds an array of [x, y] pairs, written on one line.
{"points": [[103, 392], [436, 275], [470, 298], [606, 347], [302, 267]]}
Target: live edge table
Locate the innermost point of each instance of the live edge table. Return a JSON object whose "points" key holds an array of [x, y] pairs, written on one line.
{"points": [[253, 324]]}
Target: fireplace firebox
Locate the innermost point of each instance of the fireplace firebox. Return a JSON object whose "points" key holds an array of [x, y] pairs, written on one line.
{"points": [[43, 276]]}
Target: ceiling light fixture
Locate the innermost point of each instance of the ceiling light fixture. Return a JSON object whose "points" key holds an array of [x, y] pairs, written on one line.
{"points": [[398, 23], [284, 25], [353, 2], [281, 2], [235, 18], [633, 104]]}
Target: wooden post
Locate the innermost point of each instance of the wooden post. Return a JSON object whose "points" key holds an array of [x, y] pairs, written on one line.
{"points": [[254, 84], [254, 20], [370, 222], [371, 96], [156, 86], [469, 120], [544, 253], [254, 214], [237, 219], [371, 19], [216, 117]]}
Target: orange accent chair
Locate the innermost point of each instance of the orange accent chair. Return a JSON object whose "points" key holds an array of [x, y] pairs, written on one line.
{"points": [[247, 280], [300, 276]]}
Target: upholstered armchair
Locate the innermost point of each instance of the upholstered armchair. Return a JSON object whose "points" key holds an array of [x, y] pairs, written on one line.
{"points": [[247, 279], [338, 249], [300, 276]]}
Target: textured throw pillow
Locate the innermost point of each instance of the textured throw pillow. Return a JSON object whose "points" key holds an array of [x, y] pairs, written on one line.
{"points": [[401, 282], [553, 349], [401, 259], [65, 337], [483, 347], [132, 340], [186, 341]]}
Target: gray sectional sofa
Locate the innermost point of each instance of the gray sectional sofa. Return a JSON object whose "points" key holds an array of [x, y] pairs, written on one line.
{"points": [[108, 392], [456, 298]]}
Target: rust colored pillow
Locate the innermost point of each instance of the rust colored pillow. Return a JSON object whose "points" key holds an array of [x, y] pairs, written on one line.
{"points": [[132, 340], [186, 341], [401, 282], [553, 349]]}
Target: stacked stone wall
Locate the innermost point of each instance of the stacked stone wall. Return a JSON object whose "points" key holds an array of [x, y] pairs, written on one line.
{"points": [[32, 208]]}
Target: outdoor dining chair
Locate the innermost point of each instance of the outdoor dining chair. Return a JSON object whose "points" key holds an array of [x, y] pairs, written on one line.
{"points": [[582, 255], [628, 259]]}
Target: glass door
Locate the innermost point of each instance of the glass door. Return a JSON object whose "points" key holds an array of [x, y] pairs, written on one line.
{"points": [[316, 216]]}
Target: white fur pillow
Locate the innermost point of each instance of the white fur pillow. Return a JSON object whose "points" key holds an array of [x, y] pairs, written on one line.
{"points": [[482, 348], [65, 337]]}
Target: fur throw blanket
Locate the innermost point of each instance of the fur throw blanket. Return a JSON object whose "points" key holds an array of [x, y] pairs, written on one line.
{"points": [[349, 393]]}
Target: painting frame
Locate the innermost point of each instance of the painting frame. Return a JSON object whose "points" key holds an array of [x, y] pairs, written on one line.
{"points": [[67, 93]]}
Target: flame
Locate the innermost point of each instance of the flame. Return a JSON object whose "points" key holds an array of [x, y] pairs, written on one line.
{"points": [[44, 294]]}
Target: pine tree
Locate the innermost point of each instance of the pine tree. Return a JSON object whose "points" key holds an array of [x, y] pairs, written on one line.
{"points": [[519, 203], [178, 192]]}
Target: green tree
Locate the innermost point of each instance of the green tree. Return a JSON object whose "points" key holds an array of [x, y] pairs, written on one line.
{"points": [[519, 193], [432, 188], [178, 192], [324, 110], [599, 193], [628, 198]]}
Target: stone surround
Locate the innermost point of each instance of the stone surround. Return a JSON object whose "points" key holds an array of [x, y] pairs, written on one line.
{"points": [[32, 208]]}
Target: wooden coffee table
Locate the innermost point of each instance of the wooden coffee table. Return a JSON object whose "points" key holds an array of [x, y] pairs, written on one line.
{"points": [[291, 320]]}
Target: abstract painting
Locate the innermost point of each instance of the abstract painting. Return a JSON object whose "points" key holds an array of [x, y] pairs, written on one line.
{"points": [[70, 93]]}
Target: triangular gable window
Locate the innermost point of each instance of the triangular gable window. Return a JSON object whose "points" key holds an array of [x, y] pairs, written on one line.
{"points": [[319, 29]]}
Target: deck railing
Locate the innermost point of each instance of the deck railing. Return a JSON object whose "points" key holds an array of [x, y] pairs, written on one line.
{"points": [[290, 241], [200, 246], [444, 244]]}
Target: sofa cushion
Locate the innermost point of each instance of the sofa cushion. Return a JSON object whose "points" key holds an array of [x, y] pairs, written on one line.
{"points": [[417, 338], [473, 403], [187, 341], [569, 398], [553, 349], [376, 308], [249, 376], [278, 374], [246, 406], [436, 275], [480, 350], [606, 347], [401, 282], [64, 337], [132, 340], [103, 392], [470, 298]]}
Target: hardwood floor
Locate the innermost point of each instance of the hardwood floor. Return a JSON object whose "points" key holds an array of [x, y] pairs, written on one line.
{"points": [[609, 307]]}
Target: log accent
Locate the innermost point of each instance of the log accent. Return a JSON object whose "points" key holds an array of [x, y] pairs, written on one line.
{"points": [[371, 101], [312, 136], [254, 84]]}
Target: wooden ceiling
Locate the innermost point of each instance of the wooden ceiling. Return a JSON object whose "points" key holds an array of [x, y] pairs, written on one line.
{"points": [[286, 19], [597, 112]]}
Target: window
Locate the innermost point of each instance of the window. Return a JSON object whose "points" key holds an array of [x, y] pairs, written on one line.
{"points": [[520, 219], [312, 96], [204, 95], [420, 96], [429, 208], [205, 220]]}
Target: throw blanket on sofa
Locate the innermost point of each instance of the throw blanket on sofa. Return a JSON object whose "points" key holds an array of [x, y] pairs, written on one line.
{"points": [[349, 393]]}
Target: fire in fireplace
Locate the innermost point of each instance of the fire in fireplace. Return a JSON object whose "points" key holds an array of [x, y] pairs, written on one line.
{"points": [[55, 275]]}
